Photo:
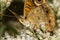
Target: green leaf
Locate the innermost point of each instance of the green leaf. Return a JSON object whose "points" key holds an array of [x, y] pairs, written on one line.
{"points": [[1, 30]]}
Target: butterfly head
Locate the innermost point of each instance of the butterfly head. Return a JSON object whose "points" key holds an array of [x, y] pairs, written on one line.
{"points": [[39, 2]]}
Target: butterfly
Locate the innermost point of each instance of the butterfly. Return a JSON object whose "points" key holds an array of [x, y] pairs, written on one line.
{"points": [[37, 14]]}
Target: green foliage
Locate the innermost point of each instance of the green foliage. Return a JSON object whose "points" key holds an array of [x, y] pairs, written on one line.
{"points": [[51, 1], [5, 24], [12, 30], [1, 30]]}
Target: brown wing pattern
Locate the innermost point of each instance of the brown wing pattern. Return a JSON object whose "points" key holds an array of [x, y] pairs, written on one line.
{"points": [[38, 13]]}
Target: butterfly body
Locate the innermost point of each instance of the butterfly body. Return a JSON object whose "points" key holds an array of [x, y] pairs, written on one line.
{"points": [[38, 13]]}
